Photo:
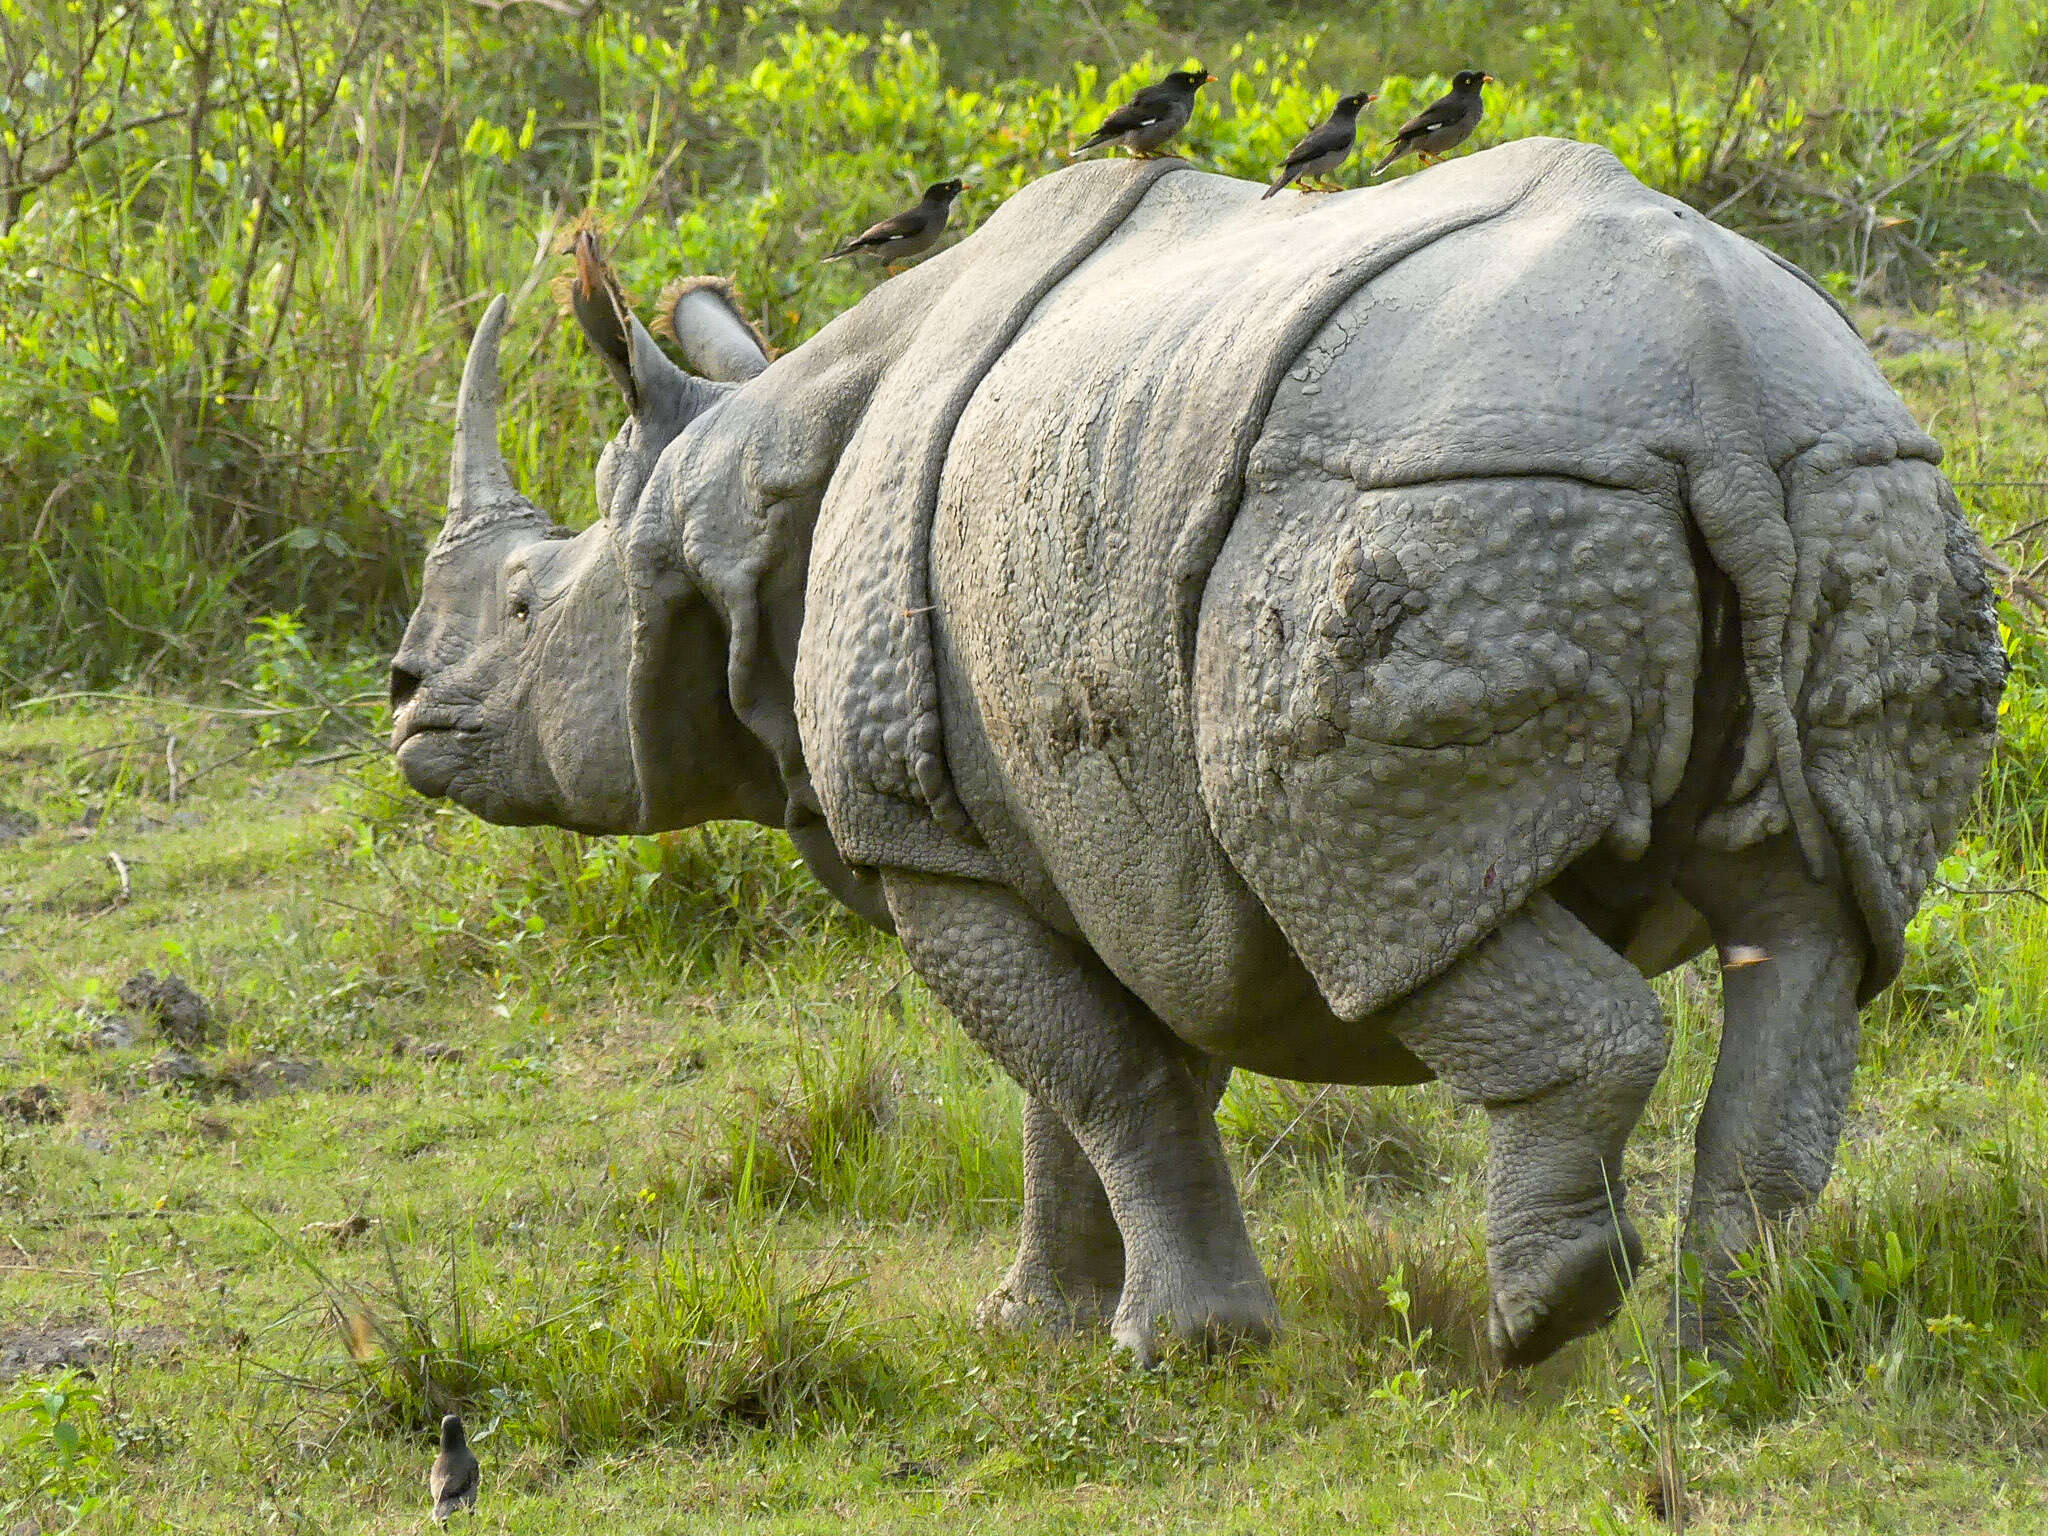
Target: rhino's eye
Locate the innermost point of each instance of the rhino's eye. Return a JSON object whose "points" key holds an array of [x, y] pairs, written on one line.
{"points": [[521, 610]]}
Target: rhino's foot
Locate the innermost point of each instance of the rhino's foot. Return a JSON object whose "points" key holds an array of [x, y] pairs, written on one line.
{"points": [[1040, 1304], [1575, 1288], [1202, 1312], [1767, 1133], [1562, 1042], [1069, 1268]]}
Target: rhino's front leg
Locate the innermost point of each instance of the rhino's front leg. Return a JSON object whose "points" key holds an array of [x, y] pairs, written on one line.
{"points": [[1561, 1041], [1069, 1269], [1137, 1105]]}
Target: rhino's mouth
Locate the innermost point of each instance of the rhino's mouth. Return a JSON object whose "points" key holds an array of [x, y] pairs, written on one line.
{"points": [[431, 747]]}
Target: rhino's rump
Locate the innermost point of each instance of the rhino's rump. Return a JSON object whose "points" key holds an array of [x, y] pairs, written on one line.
{"points": [[1418, 705]]}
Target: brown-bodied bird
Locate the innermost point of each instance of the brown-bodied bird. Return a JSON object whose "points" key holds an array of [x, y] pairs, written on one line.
{"points": [[909, 233], [593, 293], [1444, 124], [1323, 148], [1145, 122], [454, 1477]]}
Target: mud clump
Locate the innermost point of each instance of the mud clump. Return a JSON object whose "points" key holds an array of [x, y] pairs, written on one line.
{"points": [[180, 1014], [81, 1347], [37, 1104]]}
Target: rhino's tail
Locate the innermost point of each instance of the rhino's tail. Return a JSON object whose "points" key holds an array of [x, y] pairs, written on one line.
{"points": [[1738, 502], [1869, 641]]}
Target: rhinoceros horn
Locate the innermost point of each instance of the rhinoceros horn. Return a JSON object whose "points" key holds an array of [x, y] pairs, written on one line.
{"points": [[481, 495]]}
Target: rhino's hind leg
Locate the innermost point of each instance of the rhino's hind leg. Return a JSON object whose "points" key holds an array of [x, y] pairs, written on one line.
{"points": [[1561, 1042], [1794, 952], [1139, 1106], [1069, 1269]]}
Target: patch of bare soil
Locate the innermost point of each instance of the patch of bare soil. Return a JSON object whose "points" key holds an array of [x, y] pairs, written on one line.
{"points": [[81, 1347]]}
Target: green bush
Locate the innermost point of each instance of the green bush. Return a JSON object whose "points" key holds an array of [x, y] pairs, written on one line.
{"points": [[1913, 1278], [54, 1452], [242, 241]]}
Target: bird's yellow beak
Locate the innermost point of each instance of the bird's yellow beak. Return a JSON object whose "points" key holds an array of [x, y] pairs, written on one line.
{"points": [[1488, 80], [1208, 79]]}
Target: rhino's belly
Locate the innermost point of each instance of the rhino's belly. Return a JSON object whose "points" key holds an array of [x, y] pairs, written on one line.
{"points": [[1157, 904]]}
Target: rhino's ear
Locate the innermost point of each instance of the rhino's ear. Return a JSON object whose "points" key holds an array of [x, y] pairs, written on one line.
{"points": [[702, 315], [656, 388], [653, 386]]}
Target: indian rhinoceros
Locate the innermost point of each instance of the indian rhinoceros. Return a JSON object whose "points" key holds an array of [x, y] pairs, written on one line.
{"points": [[1355, 639]]}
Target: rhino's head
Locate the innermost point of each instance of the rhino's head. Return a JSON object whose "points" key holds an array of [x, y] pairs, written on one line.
{"points": [[519, 690]]}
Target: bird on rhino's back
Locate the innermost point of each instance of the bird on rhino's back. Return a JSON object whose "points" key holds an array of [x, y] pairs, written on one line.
{"points": [[1354, 639]]}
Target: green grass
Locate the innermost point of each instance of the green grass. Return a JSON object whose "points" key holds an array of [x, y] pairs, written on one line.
{"points": [[680, 1187], [669, 1174]]}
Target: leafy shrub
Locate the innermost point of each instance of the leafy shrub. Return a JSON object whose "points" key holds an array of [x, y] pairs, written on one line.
{"points": [[1918, 1277], [231, 320], [54, 1452]]}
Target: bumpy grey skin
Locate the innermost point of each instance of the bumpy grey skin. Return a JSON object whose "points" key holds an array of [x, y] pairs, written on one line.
{"points": [[1354, 639]]}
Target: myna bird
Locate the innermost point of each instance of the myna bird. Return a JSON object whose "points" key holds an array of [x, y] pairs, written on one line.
{"points": [[1325, 148], [593, 293], [1151, 117], [454, 1478], [1443, 125], [909, 233]]}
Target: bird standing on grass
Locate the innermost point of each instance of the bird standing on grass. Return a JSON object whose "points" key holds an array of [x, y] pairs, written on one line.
{"points": [[1324, 148], [1444, 124], [909, 233], [454, 1477], [1151, 117]]}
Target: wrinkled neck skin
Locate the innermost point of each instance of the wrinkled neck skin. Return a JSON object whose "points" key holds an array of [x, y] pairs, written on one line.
{"points": [[727, 517]]}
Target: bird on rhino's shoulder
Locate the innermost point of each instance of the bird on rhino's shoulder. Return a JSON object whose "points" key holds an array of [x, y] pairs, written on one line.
{"points": [[453, 1480], [1444, 124], [1324, 148], [1158, 112], [909, 233]]}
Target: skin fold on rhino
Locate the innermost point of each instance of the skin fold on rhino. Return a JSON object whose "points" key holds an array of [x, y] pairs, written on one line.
{"points": [[1356, 640]]}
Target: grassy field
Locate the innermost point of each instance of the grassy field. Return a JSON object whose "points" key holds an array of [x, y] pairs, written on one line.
{"points": [[661, 1168], [675, 1181]]}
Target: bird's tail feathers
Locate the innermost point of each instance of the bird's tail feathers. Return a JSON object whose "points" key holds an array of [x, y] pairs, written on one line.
{"points": [[1286, 178], [1390, 157]]}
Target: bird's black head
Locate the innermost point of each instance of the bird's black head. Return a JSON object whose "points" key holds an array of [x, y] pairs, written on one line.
{"points": [[1351, 106], [1190, 79], [944, 191], [451, 1433], [1470, 79]]}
